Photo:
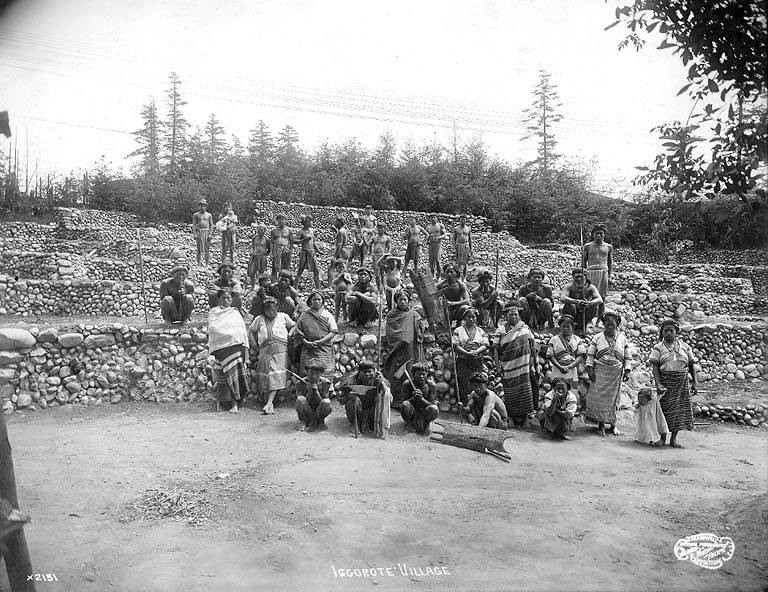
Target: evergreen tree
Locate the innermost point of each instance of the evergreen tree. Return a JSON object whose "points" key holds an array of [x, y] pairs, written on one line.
{"points": [[541, 117], [261, 147], [148, 138], [175, 126], [215, 144]]}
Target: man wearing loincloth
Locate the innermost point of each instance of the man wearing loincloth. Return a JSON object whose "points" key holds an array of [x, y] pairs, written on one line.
{"points": [[313, 403], [413, 237], [462, 244], [380, 246], [484, 407], [437, 233], [581, 300], [260, 247], [485, 300], [455, 292], [366, 399], [202, 221], [340, 246], [177, 299], [228, 226], [361, 299], [282, 239], [309, 251], [597, 261], [419, 407]]}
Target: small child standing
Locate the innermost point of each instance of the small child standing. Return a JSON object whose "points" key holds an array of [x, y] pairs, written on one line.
{"points": [[651, 424], [340, 284]]}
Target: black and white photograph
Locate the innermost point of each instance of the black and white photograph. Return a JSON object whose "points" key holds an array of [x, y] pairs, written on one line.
{"points": [[422, 296]]}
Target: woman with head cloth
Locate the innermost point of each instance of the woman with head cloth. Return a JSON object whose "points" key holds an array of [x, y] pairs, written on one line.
{"points": [[515, 358], [471, 344], [316, 327], [672, 361], [608, 364], [269, 337], [558, 410], [228, 344]]}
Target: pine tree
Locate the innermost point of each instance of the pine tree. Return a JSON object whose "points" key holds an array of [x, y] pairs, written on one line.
{"points": [[261, 147], [216, 146], [540, 117], [175, 127], [148, 138]]}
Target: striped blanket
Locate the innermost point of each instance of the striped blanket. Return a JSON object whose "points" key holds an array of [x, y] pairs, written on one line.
{"points": [[676, 402]]}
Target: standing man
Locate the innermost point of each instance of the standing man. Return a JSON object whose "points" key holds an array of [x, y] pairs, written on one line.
{"points": [[369, 220], [340, 246], [202, 221], [597, 261], [437, 233], [282, 239], [462, 244], [228, 226], [380, 246], [260, 247], [413, 236], [309, 250], [177, 299]]}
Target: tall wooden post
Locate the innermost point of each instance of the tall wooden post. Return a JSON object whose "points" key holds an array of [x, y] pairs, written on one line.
{"points": [[17, 561]]}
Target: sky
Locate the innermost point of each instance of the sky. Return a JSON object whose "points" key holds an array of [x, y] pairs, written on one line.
{"points": [[77, 73]]}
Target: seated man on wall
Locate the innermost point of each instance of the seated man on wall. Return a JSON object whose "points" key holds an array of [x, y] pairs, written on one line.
{"points": [[361, 299], [366, 399], [484, 407], [581, 300], [535, 301], [418, 408], [455, 291], [313, 403], [226, 281], [177, 299], [485, 299]]}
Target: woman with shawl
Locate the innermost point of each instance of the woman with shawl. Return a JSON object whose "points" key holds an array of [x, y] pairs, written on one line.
{"points": [[404, 338], [471, 344], [672, 361], [608, 364], [316, 329], [269, 337], [228, 344], [515, 358]]}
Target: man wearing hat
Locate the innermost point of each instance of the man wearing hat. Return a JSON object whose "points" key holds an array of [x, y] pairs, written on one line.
{"points": [[202, 221], [282, 239], [535, 301], [597, 261], [485, 300], [226, 281], [177, 299], [484, 407]]}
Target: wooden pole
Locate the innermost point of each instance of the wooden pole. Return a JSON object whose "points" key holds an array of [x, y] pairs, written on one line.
{"points": [[378, 334], [17, 562], [141, 276], [455, 374]]}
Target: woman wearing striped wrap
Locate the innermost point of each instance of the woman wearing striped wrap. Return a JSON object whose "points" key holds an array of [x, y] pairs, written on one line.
{"points": [[672, 361], [228, 344], [515, 358], [608, 364]]}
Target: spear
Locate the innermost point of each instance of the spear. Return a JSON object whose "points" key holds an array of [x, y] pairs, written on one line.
{"points": [[141, 276], [496, 288], [453, 352]]}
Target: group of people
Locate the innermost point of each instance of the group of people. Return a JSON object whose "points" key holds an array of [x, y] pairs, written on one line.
{"points": [[487, 334]]}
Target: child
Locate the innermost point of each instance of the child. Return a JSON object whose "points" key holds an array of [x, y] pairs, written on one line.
{"points": [[391, 268], [340, 284], [651, 424], [260, 248]]}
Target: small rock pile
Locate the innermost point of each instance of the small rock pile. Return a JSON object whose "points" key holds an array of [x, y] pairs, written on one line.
{"points": [[750, 415]]}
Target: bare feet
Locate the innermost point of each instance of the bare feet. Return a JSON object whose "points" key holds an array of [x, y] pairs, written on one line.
{"points": [[601, 431], [234, 409], [303, 428], [564, 437], [657, 444], [614, 431], [321, 426], [675, 444], [218, 406], [268, 409]]}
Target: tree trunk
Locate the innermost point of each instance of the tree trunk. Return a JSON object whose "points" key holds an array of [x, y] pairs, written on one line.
{"points": [[471, 437]]}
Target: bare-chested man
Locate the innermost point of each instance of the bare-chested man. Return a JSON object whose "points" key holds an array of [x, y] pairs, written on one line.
{"points": [[358, 243], [455, 291], [282, 239], [581, 300], [369, 220], [413, 237], [307, 256], [597, 261], [228, 226], [462, 244], [437, 233], [202, 221], [341, 244], [380, 245], [260, 247]]}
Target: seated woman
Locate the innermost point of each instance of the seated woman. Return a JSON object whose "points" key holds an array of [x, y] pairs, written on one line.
{"points": [[228, 344], [313, 403], [269, 337], [556, 416], [419, 408]]}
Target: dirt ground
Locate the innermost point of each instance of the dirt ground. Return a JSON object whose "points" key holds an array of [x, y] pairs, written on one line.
{"points": [[291, 509]]}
